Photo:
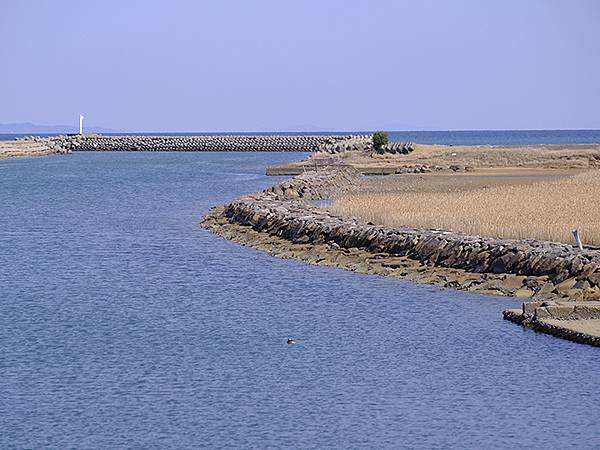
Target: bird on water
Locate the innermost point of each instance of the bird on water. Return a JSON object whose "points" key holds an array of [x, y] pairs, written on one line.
{"points": [[291, 341]]}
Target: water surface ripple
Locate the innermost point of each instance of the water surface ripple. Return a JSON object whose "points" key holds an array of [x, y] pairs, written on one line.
{"points": [[124, 325]]}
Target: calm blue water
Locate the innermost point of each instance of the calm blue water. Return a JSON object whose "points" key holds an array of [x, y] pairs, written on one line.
{"points": [[455, 137], [507, 137], [124, 325]]}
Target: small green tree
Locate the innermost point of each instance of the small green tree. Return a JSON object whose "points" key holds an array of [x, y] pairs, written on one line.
{"points": [[380, 138]]}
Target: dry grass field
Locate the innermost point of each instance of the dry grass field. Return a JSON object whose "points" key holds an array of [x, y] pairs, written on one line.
{"points": [[512, 207]]}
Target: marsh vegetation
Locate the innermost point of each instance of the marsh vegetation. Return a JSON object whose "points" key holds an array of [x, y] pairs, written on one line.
{"points": [[547, 208]]}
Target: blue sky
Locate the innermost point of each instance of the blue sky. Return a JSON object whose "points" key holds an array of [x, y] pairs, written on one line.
{"points": [[234, 65]]}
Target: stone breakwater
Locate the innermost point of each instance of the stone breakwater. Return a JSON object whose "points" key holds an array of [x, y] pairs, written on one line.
{"points": [[363, 143], [397, 148], [211, 143], [314, 185], [569, 272], [283, 221]]}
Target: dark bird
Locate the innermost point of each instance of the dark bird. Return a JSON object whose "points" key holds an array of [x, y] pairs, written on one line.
{"points": [[291, 341]]}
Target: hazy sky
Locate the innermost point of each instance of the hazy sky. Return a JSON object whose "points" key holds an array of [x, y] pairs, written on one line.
{"points": [[291, 65]]}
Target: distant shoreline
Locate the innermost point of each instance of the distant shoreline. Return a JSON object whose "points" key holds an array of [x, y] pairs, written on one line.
{"points": [[448, 137], [349, 146]]}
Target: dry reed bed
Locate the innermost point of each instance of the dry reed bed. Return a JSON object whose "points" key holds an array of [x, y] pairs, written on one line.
{"points": [[546, 210]]}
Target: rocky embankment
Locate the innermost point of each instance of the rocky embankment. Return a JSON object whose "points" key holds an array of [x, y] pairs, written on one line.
{"points": [[362, 143], [323, 145], [210, 143], [397, 148], [283, 221]]}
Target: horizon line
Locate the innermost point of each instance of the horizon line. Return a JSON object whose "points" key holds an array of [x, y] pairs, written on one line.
{"points": [[322, 130]]}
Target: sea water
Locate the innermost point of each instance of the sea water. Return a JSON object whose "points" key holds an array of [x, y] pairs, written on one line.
{"points": [[123, 324]]}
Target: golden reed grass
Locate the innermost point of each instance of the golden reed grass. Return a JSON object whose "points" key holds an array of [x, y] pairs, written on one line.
{"points": [[546, 210]]}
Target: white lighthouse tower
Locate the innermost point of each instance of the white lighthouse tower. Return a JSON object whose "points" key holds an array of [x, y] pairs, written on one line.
{"points": [[80, 124]]}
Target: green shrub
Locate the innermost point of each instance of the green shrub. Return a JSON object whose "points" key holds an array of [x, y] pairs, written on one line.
{"points": [[380, 138]]}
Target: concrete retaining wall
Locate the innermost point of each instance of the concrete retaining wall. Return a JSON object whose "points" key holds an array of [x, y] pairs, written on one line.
{"points": [[562, 310], [559, 327]]}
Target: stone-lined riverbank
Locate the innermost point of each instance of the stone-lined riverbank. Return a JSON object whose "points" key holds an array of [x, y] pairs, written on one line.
{"points": [[283, 221]]}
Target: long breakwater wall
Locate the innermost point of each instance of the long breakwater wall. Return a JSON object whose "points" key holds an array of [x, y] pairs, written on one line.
{"points": [[284, 211], [213, 143]]}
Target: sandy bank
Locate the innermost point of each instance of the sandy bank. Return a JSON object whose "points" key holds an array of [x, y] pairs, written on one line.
{"points": [[29, 147]]}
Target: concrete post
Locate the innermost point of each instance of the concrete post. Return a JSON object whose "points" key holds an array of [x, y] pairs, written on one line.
{"points": [[577, 239]]}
